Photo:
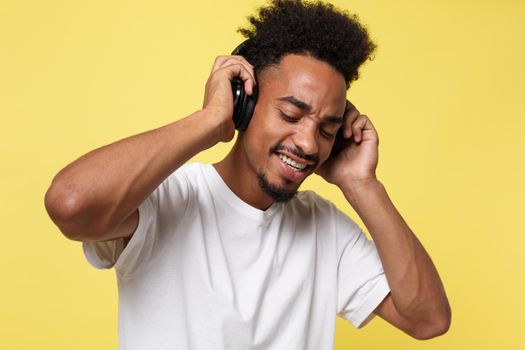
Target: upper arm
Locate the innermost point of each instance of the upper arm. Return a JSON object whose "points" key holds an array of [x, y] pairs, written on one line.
{"points": [[127, 227], [387, 311], [124, 230]]}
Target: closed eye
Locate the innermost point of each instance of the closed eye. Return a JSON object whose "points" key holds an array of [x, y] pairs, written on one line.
{"points": [[292, 119], [326, 134], [287, 117]]}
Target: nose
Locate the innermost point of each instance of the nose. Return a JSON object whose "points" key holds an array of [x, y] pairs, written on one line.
{"points": [[305, 138]]}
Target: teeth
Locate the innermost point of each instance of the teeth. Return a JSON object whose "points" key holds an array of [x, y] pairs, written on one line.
{"points": [[292, 162]]}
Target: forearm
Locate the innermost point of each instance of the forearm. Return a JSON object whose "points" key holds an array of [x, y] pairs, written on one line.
{"points": [[416, 288], [103, 187]]}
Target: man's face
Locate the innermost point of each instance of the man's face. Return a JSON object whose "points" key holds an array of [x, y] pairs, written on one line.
{"points": [[300, 108]]}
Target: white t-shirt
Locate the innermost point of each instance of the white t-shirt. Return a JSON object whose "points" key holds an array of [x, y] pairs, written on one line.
{"points": [[204, 270]]}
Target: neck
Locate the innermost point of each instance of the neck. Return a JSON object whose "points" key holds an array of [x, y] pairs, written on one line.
{"points": [[241, 178]]}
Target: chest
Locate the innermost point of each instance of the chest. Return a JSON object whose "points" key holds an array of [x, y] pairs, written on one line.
{"points": [[246, 265]]}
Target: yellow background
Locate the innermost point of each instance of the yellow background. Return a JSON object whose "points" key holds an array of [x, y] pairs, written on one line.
{"points": [[445, 92]]}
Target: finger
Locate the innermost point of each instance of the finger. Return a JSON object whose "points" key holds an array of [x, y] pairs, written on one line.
{"points": [[221, 61], [244, 60], [368, 126], [358, 126], [247, 74], [351, 114], [228, 61], [243, 72]]}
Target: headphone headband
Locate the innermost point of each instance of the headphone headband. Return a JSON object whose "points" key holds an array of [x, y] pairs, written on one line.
{"points": [[240, 48]]}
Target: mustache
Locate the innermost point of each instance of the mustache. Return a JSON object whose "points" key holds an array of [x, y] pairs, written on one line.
{"points": [[295, 151]]}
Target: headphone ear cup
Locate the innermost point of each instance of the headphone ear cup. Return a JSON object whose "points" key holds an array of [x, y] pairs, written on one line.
{"points": [[339, 143], [239, 97], [248, 107], [243, 104]]}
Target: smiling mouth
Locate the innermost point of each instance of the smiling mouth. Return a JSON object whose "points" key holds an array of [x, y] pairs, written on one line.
{"points": [[295, 160], [296, 166]]}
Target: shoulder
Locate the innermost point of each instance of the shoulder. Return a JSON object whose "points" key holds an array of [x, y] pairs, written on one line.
{"points": [[189, 174], [313, 199], [311, 202], [191, 169], [182, 183], [311, 205]]}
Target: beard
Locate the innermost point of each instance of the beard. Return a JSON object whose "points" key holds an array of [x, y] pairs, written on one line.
{"points": [[279, 194]]}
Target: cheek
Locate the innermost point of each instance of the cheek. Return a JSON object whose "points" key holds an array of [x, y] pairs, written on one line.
{"points": [[325, 148], [257, 140], [263, 129]]}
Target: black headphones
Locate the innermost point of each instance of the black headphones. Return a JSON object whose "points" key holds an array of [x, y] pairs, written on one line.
{"points": [[243, 104]]}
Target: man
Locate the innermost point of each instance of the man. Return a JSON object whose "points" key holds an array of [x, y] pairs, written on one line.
{"points": [[229, 255]]}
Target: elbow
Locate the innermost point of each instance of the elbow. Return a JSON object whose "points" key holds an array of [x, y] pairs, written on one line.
{"points": [[64, 209], [435, 328]]}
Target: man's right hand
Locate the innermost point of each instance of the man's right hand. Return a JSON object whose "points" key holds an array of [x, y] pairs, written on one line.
{"points": [[96, 197], [218, 98]]}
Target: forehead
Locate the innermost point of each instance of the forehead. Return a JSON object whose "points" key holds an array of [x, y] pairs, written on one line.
{"points": [[307, 79]]}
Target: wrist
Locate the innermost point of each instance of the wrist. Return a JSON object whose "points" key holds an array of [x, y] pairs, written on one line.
{"points": [[221, 129], [356, 190]]}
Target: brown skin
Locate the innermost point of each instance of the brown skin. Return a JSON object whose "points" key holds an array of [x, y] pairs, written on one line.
{"points": [[95, 198]]}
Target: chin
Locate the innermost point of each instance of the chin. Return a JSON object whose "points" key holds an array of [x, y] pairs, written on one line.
{"points": [[279, 193]]}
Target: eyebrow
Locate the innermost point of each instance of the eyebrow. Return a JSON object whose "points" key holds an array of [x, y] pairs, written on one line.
{"points": [[307, 108]]}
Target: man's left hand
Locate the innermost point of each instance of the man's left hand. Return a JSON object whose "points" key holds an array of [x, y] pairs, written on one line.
{"points": [[357, 162]]}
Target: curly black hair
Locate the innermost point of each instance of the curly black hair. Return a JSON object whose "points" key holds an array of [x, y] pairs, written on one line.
{"points": [[315, 28]]}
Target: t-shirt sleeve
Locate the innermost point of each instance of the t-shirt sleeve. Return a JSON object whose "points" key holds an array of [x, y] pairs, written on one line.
{"points": [[362, 284], [171, 196]]}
